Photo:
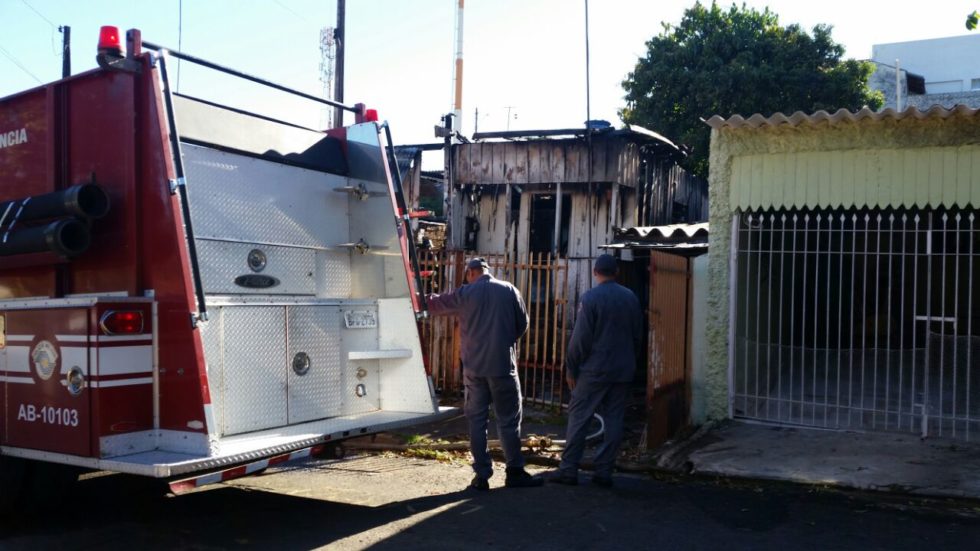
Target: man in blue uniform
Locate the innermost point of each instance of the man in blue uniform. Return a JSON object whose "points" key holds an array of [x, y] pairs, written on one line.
{"points": [[600, 363], [492, 317]]}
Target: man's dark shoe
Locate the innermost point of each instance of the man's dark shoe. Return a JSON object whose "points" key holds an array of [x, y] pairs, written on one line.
{"points": [[479, 484], [566, 479], [519, 478], [604, 481]]}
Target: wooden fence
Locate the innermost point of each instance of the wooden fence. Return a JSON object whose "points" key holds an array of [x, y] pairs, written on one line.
{"points": [[542, 280]]}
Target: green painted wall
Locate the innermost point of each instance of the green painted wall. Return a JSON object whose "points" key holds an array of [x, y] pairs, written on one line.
{"points": [[920, 162]]}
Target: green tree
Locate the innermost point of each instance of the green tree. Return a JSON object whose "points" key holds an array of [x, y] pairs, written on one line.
{"points": [[738, 61], [972, 20]]}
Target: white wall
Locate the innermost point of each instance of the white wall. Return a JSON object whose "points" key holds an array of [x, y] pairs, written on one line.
{"points": [[949, 64]]}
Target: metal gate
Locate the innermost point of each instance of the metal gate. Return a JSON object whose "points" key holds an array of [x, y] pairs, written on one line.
{"points": [[857, 319]]}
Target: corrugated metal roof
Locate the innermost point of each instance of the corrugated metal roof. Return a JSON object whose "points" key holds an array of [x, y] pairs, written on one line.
{"points": [[842, 115], [630, 131], [684, 249], [682, 239], [673, 232]]}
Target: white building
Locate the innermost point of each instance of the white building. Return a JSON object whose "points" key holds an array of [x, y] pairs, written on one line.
{"points": [[939, 71]]}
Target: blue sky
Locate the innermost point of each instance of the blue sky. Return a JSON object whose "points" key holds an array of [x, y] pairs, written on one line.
{"points": [[528, 54]]}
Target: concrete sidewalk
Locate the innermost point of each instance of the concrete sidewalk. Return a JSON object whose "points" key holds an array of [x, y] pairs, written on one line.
{"points": [[887, 462], [867, 461]]}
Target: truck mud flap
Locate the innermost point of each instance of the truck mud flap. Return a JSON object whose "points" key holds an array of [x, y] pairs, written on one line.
{"points": [[186, 485]]}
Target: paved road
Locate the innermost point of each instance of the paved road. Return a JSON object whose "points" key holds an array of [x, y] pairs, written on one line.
{"points": [[391, 502]]}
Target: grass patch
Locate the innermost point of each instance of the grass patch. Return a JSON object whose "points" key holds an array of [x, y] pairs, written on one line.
{"points": [[422, 453], [423, 441]]}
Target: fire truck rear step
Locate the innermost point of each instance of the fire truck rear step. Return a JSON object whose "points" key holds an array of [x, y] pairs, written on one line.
{"points": [[245, 448]]}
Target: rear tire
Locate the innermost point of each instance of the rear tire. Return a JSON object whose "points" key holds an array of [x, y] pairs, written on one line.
{"points": [[47, 484], [14, 473], [331, 451]]}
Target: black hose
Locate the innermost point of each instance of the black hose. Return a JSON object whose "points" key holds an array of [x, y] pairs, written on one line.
{"points": [[66, 237], [83, 200]]}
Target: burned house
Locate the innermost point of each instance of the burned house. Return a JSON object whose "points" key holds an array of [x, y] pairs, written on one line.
{"points": [[535, 192], [540, 205]]}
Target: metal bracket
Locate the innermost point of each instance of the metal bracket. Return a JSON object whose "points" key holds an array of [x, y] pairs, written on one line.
{"points": [[360, 192], [175, 184], [361, 246], [197, 318], [123, 64]]}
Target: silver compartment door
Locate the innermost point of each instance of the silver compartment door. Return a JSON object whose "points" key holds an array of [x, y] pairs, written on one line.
{"points": [[314, 336], [254, 369]]}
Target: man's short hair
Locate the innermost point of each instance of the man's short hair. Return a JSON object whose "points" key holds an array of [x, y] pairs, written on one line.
{"points": [[478, 263], [605, 264]]}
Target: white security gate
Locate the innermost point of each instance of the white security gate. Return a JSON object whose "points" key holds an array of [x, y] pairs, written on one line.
{"points": [[858, 319]]}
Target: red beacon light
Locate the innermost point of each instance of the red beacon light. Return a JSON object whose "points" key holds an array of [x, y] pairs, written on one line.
{"points": [[110, 43], [370, 115]]}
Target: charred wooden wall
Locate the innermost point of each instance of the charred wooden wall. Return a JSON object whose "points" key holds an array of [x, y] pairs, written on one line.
{"points": [[546, 162]]}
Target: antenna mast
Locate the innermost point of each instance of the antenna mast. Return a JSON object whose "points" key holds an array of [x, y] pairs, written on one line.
{"points": [[328, 55], [458, 71]]}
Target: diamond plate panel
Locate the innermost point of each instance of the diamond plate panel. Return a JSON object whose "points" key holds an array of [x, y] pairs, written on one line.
{"points": [[241, 198], [211, 339], [315, 331], [254, 370], [221, 262], [333, 274]]}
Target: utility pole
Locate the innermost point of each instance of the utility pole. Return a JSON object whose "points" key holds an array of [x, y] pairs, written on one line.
{"points": [[898, 86], [588, 132], [509, 108], [65, 51], [476, 120], [338, 94], [448, 178]]}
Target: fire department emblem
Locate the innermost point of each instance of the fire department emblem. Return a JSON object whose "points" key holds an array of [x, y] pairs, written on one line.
{"points": [[45, 358]]}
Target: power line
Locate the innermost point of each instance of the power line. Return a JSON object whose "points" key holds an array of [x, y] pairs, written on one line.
{"points": [[17, 63], [54, 27], [305, 20], [290, 10], [41, 15], [180, 36]]}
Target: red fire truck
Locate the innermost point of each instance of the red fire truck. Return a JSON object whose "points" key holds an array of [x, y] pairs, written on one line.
{"points": [[191, 291]]}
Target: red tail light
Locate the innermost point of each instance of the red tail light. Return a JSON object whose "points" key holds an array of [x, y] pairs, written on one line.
{"points": [[110, 41], [122, 322]]}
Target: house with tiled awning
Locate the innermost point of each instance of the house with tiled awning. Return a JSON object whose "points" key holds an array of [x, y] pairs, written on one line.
{"points": [[844, 290]]}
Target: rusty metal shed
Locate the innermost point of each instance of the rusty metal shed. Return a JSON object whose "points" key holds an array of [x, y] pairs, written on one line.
{"points": [[666, 266]]}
